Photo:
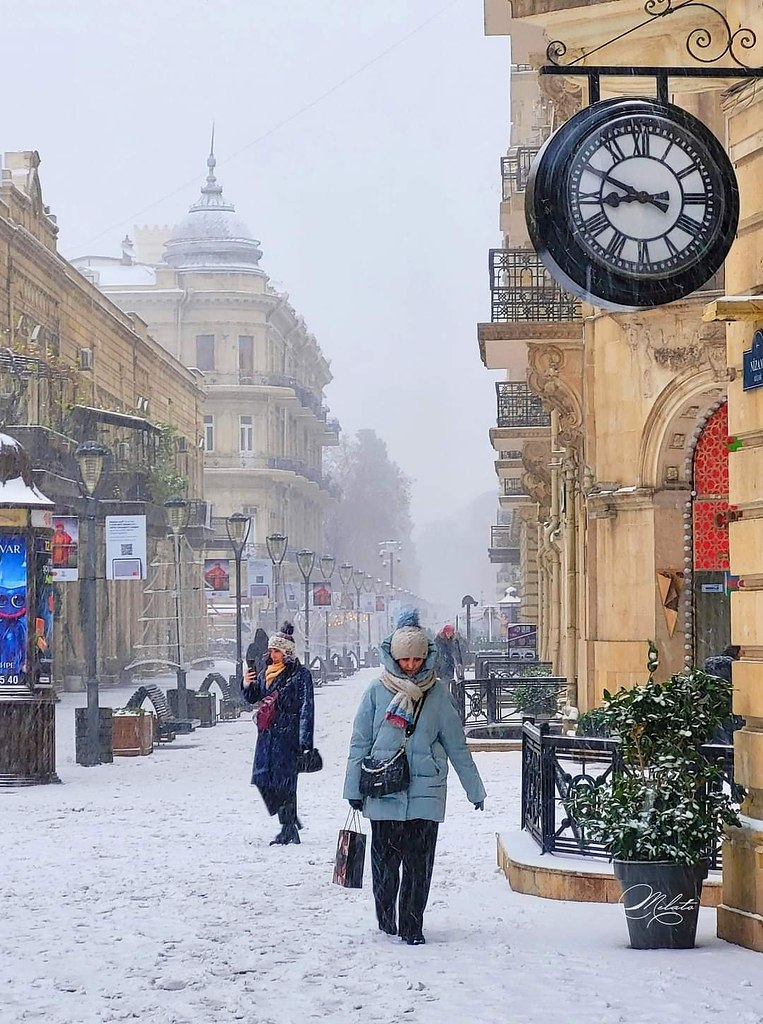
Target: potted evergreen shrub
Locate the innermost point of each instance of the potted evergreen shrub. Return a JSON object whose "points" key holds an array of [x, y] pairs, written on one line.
{"points": [[662, 813]]}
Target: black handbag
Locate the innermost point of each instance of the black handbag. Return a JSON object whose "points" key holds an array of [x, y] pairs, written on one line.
{"points": [[310, 760], [380, 778]]}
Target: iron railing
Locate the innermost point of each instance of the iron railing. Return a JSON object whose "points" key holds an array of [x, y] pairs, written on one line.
{"points": [[554, 766], [503, 537], [513, 489], [521, 290], [507, 701], [518, 406], [513, 455], [515, 168], [502, 666]]}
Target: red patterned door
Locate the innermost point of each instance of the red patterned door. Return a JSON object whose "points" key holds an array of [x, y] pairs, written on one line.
{"points": [[712, 626]]}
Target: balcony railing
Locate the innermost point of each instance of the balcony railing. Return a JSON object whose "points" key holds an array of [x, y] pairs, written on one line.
{"points": [[518, 406], [513, 455], [503, 536], [521, 289], [512, 488], [515, 168]]}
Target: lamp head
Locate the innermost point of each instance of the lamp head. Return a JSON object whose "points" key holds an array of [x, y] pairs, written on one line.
{"points": [[237, 527], [306, 562], [345, 573], [327, 563], [91, 457], [277, 544], [176, 509]]}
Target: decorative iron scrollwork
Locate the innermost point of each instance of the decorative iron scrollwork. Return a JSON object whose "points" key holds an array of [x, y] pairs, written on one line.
{"points": [[702, 44]]}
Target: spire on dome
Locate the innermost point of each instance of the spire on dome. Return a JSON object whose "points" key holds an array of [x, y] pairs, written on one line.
{"points": [[211, 187]]}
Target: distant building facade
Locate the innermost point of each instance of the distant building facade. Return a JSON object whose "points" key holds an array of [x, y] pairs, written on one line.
{"points": [[207, 300], [74, 367]]}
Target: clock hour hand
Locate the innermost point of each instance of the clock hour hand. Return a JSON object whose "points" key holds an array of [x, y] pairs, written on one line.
{"points": [[633, 194], [659, 199]]}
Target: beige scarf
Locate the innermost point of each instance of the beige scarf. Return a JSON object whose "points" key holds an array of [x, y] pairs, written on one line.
{"points": [[406, 695]]}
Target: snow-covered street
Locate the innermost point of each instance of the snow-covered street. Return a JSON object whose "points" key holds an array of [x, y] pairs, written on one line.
{"points": [[146, 890]]}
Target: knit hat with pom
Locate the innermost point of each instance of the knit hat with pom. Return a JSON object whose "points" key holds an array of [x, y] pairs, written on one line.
{"points": [[409, 640], [283, 641]]}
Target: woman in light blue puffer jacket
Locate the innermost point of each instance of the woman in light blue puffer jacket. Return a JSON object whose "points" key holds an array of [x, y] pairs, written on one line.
{"points": [[404, 825]]}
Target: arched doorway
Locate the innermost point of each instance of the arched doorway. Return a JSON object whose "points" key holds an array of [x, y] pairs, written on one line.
{"points": [[710, 538]]}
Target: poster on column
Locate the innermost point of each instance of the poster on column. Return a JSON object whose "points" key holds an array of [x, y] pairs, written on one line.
{"points": [[64, 549], [322, 594], [259, 574], [125, 547], [381, 603], [13, 609], [217, 577]]}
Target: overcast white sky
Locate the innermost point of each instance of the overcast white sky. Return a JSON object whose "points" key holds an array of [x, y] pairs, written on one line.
{"points": [[375, 204]]}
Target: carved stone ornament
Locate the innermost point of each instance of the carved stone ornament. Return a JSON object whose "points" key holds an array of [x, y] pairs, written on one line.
{"points": [[544, 378], [537, 476], [565, 94], [677, 343]]}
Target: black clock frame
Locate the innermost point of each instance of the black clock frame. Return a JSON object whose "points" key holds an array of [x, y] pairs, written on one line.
{"points": [[553, 235]]}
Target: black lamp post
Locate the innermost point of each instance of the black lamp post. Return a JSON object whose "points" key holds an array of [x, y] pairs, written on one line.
{"points": [[327, 563], [237, 526], [389, 553], [369, 583], [91, 457], [345, 575], [358, 578], [177, 510], [306, 564], [277, 543]]}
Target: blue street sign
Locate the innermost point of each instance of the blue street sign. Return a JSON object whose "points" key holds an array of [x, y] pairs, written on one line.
{"points": [[752, 364]]}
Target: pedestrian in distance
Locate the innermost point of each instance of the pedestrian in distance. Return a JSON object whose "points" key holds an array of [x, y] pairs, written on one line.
{"points": [[404, 825], [450, 655], [283, 691], [257, 651]]}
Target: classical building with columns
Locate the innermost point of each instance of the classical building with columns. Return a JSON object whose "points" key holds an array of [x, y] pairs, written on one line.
{"points": [[207, 300], [643, 487]]}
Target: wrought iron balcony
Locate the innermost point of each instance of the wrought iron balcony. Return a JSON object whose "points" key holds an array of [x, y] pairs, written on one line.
{"points": [[515, 168], [518, 406], [503, 537], [521, 289], [513, 455], [513, 488]]}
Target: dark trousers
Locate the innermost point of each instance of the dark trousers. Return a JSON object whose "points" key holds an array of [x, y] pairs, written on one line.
{"points": [[410, 844], [280, 802]]}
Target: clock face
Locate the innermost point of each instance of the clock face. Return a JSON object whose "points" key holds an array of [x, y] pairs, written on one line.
{"points": [[632, 203]]}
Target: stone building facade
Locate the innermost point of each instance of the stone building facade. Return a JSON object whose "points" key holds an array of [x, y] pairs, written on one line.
{"points": [[209, 303], [652, 527], [74, 367]]}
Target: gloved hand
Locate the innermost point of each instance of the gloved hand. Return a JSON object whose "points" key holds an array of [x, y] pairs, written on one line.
{"points": [[357, 805], [480, 806]]}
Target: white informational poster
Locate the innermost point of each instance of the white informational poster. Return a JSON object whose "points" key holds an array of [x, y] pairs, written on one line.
{"points": [[259, 574], [367, 603], [125, 547], [395, 607], [292, 595]]}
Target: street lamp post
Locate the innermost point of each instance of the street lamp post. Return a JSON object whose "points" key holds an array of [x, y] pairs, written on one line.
{"points": [[370, 584], [277, 543], [389, 551], [177, 519], [358, 578], [237, 526], [327, 563], [306, 564], [91, 457], [345, 575]]}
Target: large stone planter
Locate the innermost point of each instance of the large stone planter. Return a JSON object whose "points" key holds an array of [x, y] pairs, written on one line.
{"points": [[132, 735]]}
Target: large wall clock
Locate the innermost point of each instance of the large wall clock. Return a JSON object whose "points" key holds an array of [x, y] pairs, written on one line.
{"points": [[632, 203]]}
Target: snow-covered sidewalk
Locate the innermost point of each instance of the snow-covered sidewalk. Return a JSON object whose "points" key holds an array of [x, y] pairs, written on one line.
{"points": [[146, 890]]}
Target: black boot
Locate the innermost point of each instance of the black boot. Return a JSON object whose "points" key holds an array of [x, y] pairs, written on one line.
{"points": [[280, 839], [290, 834]]}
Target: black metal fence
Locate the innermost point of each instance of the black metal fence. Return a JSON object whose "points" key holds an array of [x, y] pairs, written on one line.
{"points": [[521, 289], [503, 666], [507, 701], [554, 766], [518, 406]]}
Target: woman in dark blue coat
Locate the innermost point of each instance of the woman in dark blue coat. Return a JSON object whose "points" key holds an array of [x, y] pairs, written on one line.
{"points": [[284, 691]]}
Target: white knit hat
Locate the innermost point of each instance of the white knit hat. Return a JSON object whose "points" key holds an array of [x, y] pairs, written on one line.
{"points": [[283, 641], [409, 640]]}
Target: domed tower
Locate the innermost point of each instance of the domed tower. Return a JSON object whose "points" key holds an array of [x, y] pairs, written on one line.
{"points": [[211, 236]]}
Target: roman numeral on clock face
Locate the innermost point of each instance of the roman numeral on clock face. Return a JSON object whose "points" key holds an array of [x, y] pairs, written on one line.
{"points": [[598, 223], [642, 143], [615, 149], [687, 224], [695, 197], [616, 245], [643, 252]]}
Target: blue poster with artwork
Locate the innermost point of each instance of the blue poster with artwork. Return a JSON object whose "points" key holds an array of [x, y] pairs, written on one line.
{"points": [[13, 609]]}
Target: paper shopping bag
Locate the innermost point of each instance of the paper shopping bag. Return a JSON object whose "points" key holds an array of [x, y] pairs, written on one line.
{"points": [[350, 855]]}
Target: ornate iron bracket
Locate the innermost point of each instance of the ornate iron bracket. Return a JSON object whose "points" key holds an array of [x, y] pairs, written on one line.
{"points": [[701, 43]]}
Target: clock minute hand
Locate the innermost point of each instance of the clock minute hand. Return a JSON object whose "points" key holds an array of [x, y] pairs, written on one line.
{"points": [[659, 199]]}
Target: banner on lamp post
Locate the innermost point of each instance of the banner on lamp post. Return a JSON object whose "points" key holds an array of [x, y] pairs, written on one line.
{"points": [[368, 603], [64, 549], [217, 577], [260, 576], [322, 594], [125, 547]]}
